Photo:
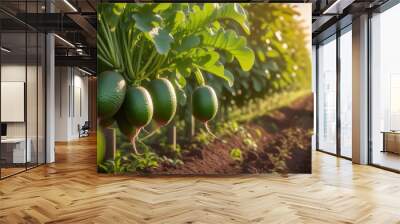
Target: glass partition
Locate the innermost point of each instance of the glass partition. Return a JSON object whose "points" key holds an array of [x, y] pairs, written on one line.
{"points": [[22, 67], [346, 93], [327, 96], [385, 89], [13, 94]]}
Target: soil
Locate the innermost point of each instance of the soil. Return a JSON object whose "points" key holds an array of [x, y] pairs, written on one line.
{"points": [[284, 145]]}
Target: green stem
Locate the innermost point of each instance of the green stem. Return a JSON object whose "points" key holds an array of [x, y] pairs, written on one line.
{"points": [[102, 54], [153, 65], [156, 68], [139, 58], [133, 141], [143, 70], [102, 46], [109, 42], [209, 131], [127, 56], [116, 49], [105, 61], [149, 135]]}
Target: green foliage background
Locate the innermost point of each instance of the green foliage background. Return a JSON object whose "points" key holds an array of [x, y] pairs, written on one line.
{"points": [[282, 61]]}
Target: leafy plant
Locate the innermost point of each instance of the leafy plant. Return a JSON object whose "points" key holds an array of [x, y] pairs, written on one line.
{"points": [[145, 41], [203, 137], [175, 162], [227, 127], [170, 151], [249, 142], [236, 154], [144, 161], [115, 166], [130, 162], [282, 61]]}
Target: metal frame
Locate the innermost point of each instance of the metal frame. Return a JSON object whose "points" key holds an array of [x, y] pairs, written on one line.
{"points": [[389, 4], [369, 90], [316, 96], [338, 99], [339, 32]]}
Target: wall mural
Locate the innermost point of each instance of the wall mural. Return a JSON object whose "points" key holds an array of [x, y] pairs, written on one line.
{"points": [[204, 88]]}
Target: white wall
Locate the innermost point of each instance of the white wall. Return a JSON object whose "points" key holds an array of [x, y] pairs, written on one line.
{"points": [[61, 103], [71, 102], [33, 127], [12, 73]]}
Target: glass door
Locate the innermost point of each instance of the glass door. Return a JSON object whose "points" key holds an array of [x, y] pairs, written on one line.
{"points": [[327, 96], [14, 153], [385, 89], [22, 77], [346, 92]]}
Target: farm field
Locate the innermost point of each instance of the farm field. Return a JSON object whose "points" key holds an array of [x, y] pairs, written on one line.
{"points": [[282, 137]]}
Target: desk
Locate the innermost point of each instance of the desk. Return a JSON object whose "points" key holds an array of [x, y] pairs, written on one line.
{"points": [[16, 147], [391, 141]]}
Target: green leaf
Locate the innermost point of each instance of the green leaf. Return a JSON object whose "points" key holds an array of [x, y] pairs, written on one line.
{"points": [[146, 20], [272, 66], [161, 7], [200, 18], [188, 43], [256, 84], [183, 66], [216, 69], [229, 77], [161, 39], [199, 76], [260, 55], [229, 41], [234, 11], [212, 12], [272, 53], [219, 71], [229, 57], [206, 58], [179, 19], [112, 12]]}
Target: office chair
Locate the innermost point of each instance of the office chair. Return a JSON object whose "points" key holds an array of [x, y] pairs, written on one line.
{"points": [[84, 130]]}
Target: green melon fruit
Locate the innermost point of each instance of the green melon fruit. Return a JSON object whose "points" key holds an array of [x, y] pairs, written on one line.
{"points": [[138, 106], [101, 145], [124, 126], [164, 100], [110, 94], [204, 103]]}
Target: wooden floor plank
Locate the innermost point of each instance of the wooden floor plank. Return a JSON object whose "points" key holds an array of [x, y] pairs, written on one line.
{"points": [[70, 191]]}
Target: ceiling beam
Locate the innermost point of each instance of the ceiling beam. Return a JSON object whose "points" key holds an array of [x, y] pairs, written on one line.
{"points": [[79, 61], [89, 30]]}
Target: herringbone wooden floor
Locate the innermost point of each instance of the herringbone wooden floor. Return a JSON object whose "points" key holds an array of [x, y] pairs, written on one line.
{"points": [[70, 191]]}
